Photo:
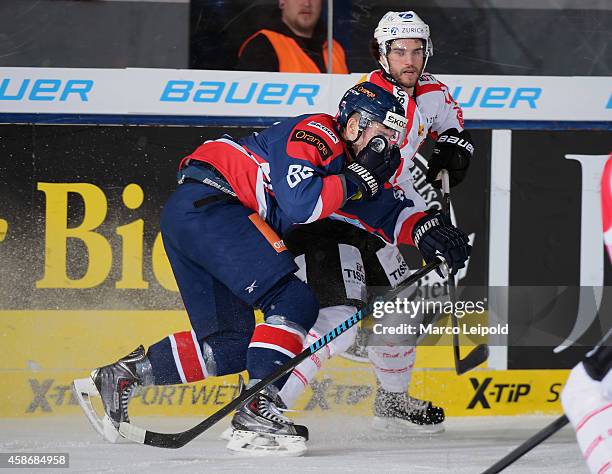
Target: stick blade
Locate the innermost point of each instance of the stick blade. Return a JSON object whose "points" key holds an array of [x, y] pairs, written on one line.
{"points": [[151, 438], [478, 355], [133, 433]]}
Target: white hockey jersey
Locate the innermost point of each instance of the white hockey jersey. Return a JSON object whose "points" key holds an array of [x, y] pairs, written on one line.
{"points": [[432, 111]]}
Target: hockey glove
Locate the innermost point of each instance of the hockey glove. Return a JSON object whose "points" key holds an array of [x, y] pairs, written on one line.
{"points": [[434, 233], [374, 165], [452, 152]]}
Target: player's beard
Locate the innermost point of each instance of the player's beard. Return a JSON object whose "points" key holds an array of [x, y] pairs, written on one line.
{"points": [[406, 77]]}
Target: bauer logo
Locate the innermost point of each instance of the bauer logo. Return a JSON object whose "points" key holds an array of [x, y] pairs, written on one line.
{"points": [[240, 93], [522, 98], [46, 90]]}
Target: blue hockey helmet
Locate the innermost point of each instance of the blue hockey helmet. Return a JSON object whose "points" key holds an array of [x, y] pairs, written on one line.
{"points": [[374, 104]]}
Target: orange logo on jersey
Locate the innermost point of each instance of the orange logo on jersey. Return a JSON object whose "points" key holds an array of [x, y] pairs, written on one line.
{"points": [[272, 237], [312, 139], [421, 129]]}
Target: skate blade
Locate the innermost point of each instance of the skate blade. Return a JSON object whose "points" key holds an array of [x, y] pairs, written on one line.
{"points": [[249, 443], [83, 390], [399, 426]]}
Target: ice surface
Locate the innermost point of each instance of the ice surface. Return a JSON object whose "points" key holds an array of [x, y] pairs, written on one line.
{"points": [[338, 444]]}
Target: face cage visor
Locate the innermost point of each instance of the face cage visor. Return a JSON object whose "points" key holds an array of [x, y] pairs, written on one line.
{"points": [[393, 127]]}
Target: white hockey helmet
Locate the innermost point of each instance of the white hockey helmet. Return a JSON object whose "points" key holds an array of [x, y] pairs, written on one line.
{"points": [[398, 25]]}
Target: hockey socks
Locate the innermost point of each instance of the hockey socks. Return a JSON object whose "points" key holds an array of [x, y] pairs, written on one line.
{"points": [[393, 366], [304, 373], [273, 343]]}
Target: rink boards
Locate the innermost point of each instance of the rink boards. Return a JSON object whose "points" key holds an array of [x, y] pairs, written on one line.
{"points": [[45, 350], [85, 277]]}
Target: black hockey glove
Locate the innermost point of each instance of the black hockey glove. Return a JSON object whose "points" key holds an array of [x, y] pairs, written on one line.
{"points": [[452, 152], [599, 361], [373, 166], [435, 233]]}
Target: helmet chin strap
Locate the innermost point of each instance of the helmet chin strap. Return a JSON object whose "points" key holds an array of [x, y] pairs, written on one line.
{"points": [[352, 142], [424, 64], [387, 75], [384, 62]]}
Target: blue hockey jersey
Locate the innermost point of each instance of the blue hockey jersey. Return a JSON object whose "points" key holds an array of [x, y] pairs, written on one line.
{"points": [[290, 174]]}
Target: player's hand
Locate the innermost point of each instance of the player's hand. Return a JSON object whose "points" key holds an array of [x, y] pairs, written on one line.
{"points": [[453, 152], [373, 166], [435, 234]]}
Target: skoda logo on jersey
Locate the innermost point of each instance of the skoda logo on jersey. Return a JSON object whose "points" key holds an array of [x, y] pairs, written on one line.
{"points": [[406, 15], [395, 121], [324, 129]]}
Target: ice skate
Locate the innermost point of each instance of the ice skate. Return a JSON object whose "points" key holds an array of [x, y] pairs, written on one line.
{"points": [[400, 413], [260, 428], [226, 434], [114, 384]]}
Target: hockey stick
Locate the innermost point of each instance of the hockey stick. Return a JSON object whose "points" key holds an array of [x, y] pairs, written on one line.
{"points": [[480, 353], [177, 440], [528, 445], [541, 435]]}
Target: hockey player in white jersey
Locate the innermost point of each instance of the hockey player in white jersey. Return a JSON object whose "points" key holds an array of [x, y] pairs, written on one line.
{"points": [[587, 395], [337, 261], [587, 402]]}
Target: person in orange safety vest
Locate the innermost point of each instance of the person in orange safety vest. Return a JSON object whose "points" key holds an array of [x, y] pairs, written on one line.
{"points": [[296, 43]]}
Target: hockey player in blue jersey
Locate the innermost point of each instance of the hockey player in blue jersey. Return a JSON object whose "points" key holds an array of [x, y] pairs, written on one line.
{"points": [[328, 249], [222, 231]]}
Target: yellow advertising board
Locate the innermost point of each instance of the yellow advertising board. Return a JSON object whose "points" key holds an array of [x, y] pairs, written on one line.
{"points": [[43, 351]]}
